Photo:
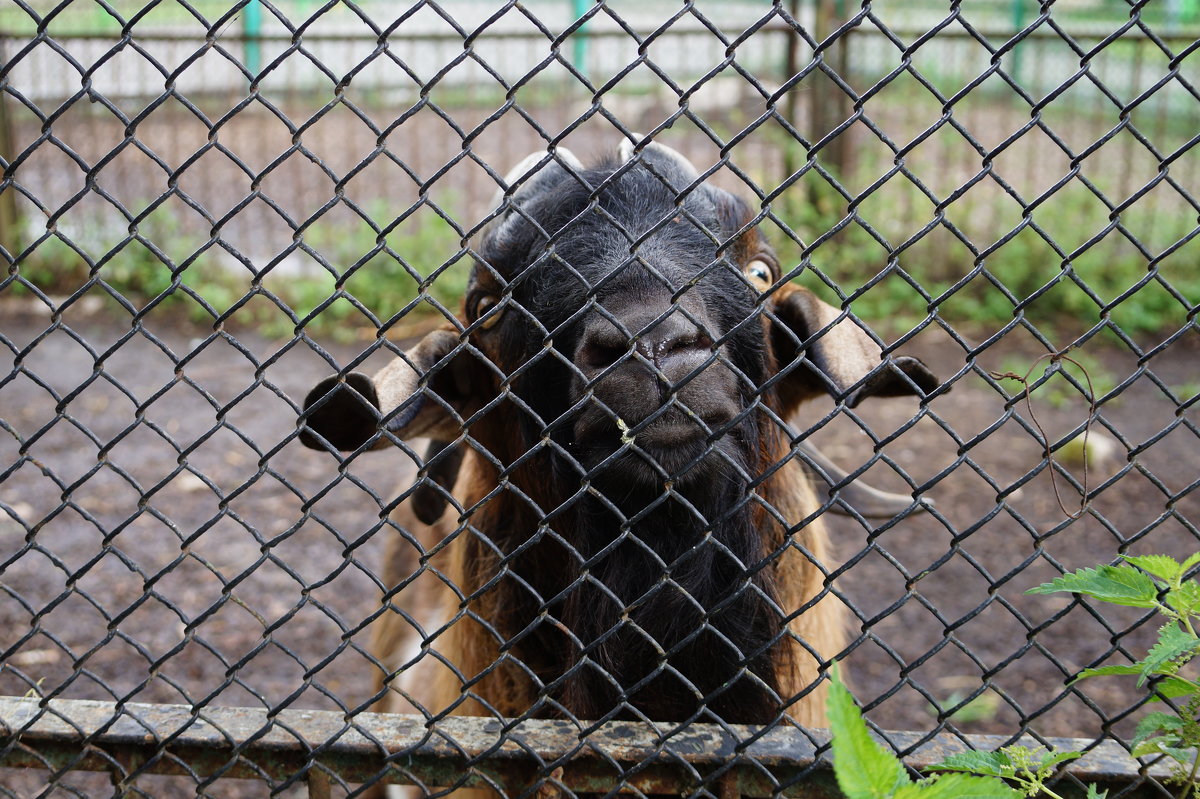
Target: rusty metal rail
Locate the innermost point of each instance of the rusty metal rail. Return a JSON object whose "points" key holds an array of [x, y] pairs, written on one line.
{"points": [[293, 746]]}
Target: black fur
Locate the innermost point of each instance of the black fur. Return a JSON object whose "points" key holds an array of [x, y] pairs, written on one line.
{"points": [[669, 610]]}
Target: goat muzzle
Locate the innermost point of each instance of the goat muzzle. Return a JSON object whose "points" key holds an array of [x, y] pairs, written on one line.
{"points": [[651, 373]]}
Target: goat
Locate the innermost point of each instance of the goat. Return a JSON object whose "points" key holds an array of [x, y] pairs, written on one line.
{"points": [[615, 519]]}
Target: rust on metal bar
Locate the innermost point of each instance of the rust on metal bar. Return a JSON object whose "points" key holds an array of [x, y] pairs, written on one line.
{"points": [[460, 751]]}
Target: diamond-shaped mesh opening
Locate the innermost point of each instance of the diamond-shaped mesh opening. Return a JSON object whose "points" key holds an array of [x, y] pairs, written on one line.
{"points": [[676, 354]]}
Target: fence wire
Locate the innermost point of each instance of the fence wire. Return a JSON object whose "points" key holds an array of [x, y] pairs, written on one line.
{"points": [[583, 500]]}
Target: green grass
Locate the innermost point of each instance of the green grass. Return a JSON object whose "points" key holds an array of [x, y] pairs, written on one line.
{"points": [[1058, 390], [345, 280], [1064, 266], [357, 275]]}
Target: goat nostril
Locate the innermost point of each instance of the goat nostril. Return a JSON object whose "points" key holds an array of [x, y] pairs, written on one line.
{"points": [[601, 355], [690, 341], [604, 347], [682, 344]]}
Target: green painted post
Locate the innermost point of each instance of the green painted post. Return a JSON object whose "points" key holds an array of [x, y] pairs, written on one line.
{"points": [[1018, 18], [252, 27], [579, 42]]}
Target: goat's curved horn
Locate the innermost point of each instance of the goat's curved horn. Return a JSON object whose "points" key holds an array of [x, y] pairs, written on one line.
{"points": [[532, 179], [674, 164], [868, 502], [527, 166]]}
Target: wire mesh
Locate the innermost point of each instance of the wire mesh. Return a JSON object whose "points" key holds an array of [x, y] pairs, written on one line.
{"points": [[637, 355]]}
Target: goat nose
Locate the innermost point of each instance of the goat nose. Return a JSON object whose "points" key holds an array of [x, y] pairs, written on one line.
{"points": [[674, 345]]}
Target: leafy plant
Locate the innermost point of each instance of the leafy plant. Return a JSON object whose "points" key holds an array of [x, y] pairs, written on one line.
{"points": [[1028, 768], [1187, 391], [1155, 582], [412, 267], [1061, 275], [865, 770]]}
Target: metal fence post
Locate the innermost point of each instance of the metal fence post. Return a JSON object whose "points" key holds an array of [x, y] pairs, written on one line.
{"points": [[830, 106], [791, 104]]}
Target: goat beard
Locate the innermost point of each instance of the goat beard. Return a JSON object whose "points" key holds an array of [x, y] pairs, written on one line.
{"points": [[675, 616]]}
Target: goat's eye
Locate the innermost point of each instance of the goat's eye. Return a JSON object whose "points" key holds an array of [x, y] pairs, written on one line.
{"points": [[759, 274], [483, 306]]}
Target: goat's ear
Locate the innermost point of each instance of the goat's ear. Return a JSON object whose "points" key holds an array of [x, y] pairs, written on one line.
{"points": [[418, 394], [431, 495], [820, 350]]}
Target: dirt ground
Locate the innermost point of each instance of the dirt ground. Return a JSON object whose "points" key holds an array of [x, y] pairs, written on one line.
{"points": [[164, 537]]}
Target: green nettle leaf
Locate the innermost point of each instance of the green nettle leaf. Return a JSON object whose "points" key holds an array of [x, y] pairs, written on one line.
{"points": [[996, 764], [1185, 599], [1153, 582], [1151, 747], [1164, 745], [863, 768], [1154, 723], [1173, 641], [1167, 687], [1052, 759], [1105, 671], [1181, 755], [1163, 566], [1172, 688], [1120, 585], [959, 786]]}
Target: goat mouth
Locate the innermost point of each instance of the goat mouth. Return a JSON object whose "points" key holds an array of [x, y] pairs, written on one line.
{"points": [[695, 463], [660, 435], [667, 450]]}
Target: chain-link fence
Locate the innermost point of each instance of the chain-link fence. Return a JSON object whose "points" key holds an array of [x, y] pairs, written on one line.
{"points": [[605, 284]]}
